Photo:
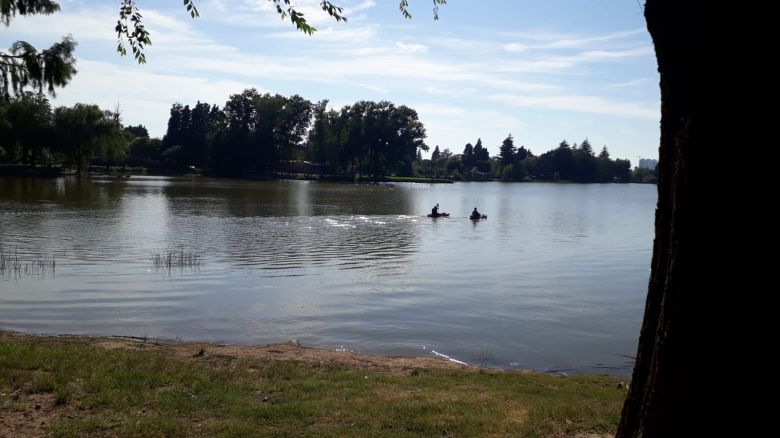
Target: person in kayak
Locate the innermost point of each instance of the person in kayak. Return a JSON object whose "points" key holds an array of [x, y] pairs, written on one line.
{"points": [[435, 210], [475, 214]]}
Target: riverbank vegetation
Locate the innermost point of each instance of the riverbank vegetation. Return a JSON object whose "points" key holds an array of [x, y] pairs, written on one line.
{"points": [[258, 135], [76, 386]]}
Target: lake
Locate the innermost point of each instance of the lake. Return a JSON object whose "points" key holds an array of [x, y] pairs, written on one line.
{"points": [[554, 280]]}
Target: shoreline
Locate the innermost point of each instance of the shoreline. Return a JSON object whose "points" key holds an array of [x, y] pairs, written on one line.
{"points": [[295, 350], [288, 351], [118, 173], [113, 386]]}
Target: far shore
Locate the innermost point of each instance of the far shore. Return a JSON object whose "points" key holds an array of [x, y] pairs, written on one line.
{"points": [[125, 173], [80, 385]]}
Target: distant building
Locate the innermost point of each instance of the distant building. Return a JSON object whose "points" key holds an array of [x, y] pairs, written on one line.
{"points": [[648, 163]]}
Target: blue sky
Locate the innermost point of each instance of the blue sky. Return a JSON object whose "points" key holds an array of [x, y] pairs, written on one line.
{"points": [[541, 70]]}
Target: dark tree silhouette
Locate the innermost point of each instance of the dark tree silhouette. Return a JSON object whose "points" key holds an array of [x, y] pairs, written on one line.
{"points": [[507, 151], [714, 65]]}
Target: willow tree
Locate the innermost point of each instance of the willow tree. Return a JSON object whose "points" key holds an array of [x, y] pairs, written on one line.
{"points": [[23, 65]]}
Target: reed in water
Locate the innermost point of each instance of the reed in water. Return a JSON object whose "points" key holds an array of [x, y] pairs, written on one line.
{"points": [[13, 266], [176, 259]]}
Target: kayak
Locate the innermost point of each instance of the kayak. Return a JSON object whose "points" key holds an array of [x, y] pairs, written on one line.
{"points": [[438, 215], [476, 218]]}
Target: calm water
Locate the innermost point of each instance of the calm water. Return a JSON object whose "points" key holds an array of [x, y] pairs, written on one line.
{"points": [[554, 279]]}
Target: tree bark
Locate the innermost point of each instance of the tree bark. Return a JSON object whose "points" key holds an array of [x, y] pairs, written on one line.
{"points": [[712, 62], [651, 408]]}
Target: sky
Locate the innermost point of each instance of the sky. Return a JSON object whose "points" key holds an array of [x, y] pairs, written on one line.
{"points": [[543, 71]]}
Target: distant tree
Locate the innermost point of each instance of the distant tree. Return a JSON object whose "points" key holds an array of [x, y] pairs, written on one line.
{"points": [[643, 176], [436, 154], [453, 164], [586, 148], [137, 131], [481, 157], [174, 134], [290, 127], [232, 149], [145, 151], [28, 121], [379, 138], [507, 153], [435, 158], [508, 172], [467, 158], [255, 133], [622, 170], [522, 154], [84, 131], [320, 139], [530, 167], [605, 167], [584, 166], [5, 133], [197, 133], [562, 162]]}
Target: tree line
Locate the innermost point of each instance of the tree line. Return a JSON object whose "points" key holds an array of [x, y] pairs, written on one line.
{"points": [[258, 134], [576, 163], [33, 134], [270, 135]]}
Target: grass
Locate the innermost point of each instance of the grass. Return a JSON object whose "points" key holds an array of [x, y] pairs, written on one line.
{"points": [[91, 390]]}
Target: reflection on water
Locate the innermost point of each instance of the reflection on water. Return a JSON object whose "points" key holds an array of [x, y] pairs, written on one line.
{"points": [[554, 279]]}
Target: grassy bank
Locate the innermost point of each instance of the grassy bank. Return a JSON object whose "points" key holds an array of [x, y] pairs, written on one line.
{"points": [[79, 386]]}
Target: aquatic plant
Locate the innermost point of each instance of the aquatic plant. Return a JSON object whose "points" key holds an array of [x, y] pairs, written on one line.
{"points": [[13, 266], [176, 259]]}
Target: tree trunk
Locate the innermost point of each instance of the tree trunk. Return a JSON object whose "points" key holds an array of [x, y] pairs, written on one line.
{"points": [[650, 406], [711, 64]]}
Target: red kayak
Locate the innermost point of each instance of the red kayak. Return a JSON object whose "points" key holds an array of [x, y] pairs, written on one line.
{"points": [[438, 215]]}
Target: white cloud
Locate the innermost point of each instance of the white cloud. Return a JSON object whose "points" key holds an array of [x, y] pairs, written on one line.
{"points": [[545, 40], [515, 47], [554, 64], [362, 6], [98, 25], [587, 104], [631, 83], [330, 34], [219, 5], [144, 96], [452, 92], [411, 48], [578, 42], [463, 44], [374, 88]]}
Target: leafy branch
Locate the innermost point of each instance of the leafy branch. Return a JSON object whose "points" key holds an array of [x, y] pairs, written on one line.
{"points": [[24, 66], [130, 28], [9, 8]]}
